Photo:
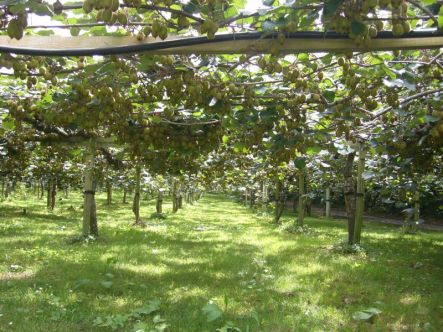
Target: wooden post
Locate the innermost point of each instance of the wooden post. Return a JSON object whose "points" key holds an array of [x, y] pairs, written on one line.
{"points": [[301, 199], [328, 202], [53, 194], [191, 197], [48, 194], [279, 205], [308, 200], [108, 192], [174, 196], [8, 188], [416, 205], [349, 191], [89, 207], [180, 200], [265, 196], [360, 199], [159, 205], [136, 202], [42, 189]]}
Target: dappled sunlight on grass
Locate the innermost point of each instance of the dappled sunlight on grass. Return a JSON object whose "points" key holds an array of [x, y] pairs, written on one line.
{"points": [[214, 250]]}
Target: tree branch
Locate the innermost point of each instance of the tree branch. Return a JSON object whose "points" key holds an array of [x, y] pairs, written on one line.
{"points": [[407, 100]]}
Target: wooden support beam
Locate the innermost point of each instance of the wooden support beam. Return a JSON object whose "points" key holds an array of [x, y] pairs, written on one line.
{"points": [[328, 202], [243, 43], [360, 199], [301, 198], [89, 213]]}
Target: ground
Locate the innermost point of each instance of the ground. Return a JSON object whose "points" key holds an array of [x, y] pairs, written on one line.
{"points": [[257, 277]]}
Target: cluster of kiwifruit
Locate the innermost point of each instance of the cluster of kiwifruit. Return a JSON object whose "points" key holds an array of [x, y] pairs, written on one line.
{"points": [[292, 24], [437, 129], [367, 95], [16, 110], [157, 29], [210, 28], [399, 10], [28, 69], [291, 74], [109, 107], [397, 144], [391, 98], [342, 129], [355, 13], [107, 11], [296, 100], [182, 21], [270, 64], [427, 68]]}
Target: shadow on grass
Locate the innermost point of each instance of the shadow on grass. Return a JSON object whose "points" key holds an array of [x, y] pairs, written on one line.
{"points": [[295, 282]]}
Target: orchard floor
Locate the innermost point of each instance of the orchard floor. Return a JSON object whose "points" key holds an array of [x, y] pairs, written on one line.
{"points": [[258, 277]]}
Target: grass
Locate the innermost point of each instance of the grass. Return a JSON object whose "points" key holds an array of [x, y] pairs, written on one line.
{"points": [[262, 279]]}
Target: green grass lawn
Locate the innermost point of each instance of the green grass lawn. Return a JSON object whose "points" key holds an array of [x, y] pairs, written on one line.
{"points": [[215, 251]]}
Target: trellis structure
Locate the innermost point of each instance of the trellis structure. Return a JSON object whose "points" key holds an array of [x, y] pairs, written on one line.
{"points": [[242, 43]]}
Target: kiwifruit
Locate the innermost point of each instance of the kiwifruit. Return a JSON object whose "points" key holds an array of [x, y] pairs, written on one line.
{"points": [[122, 17], [88, 6], [398, 30]]}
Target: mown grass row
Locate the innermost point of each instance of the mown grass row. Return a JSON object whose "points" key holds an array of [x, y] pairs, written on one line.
{"points": [[213, 260]]}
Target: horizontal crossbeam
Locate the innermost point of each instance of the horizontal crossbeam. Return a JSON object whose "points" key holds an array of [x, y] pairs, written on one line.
{"points": [[243, 43]]}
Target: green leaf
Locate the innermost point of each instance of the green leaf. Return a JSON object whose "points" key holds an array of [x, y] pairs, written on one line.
{"points": [[440, 18], [40, 9], [225, 139], [212, 312], [98, 321], [141, 327], [366, 314], [374, 311], [329, 95], [331, 7], [357, 28], [148, 308], [361, 315], [231, 11], [107, 284], [11, 2], [300, 162], [75, 32], [45, 32], [146, 62], [8, 125], [17, 8], [268, 26], [81, 283], [239, 147], [313, 150], [401, 83]]}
